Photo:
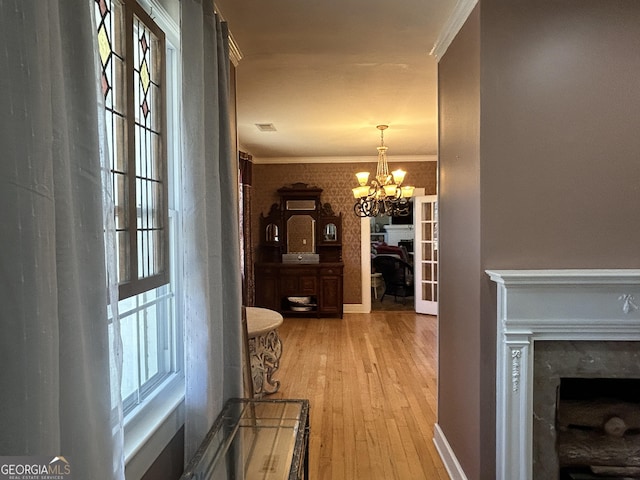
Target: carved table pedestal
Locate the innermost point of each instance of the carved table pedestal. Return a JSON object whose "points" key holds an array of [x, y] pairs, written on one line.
{"points": [[265, 348]]}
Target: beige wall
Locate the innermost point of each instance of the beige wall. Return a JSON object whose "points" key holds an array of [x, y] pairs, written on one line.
{"points": [[336, 180], [558, 170]]}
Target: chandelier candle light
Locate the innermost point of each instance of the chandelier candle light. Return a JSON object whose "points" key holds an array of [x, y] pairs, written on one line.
{"points": [[385, 195]]}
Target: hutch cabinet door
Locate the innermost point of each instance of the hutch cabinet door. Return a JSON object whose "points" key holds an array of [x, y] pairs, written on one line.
{"points": [[331, 291]]}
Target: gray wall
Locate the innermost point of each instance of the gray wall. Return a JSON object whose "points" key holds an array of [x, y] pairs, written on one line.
{"points": [[539, 168], [459, 245]]}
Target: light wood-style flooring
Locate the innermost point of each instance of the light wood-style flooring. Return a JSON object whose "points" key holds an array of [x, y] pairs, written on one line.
{"points": [[372, 384]]}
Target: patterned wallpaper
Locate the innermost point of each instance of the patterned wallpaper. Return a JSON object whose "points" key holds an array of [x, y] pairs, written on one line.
{"points": [[336, 180]]}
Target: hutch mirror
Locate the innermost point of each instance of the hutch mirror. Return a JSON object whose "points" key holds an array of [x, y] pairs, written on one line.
{"points": [[301, 234]]}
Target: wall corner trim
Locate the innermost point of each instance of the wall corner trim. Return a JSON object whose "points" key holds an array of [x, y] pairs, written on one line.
{"points": [[447, 455], [452, 26]]}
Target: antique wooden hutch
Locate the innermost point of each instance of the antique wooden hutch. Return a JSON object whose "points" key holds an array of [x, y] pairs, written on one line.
{"points": [[299, 269]]}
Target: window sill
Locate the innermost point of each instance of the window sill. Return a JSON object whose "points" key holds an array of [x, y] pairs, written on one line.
{"points": [[149, 428]]}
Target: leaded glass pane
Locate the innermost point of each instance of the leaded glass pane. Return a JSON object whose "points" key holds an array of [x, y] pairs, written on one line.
{"points": [[122, 252], [142, 247], [120, 192], [134, 138], [109, 20], [149, 171], [158, 254], [118, 147], [143, 52], [156, 166], [157, 193]]}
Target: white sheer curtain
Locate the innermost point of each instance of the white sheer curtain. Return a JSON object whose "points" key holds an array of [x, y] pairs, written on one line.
{"points": [[213, 358], [54, 341]]}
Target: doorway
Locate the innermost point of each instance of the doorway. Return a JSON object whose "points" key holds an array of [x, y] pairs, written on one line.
{"points": [[424, 261]]}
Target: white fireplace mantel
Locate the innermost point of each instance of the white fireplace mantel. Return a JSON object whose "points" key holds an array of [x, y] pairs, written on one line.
{"points": [[602, 305]]}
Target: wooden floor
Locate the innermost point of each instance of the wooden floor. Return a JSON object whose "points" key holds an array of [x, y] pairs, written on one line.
{"points": [[371, 381]]}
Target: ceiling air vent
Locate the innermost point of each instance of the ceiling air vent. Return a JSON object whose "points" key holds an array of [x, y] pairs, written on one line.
{"points": [[266, 127]]}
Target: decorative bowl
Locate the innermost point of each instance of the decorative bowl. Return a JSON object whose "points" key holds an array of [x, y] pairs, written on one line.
{"points": [[298, 308], [299, 300]]}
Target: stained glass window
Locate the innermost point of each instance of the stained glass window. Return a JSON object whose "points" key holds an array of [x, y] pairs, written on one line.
{"points": [[132, 52], [131, 49]]}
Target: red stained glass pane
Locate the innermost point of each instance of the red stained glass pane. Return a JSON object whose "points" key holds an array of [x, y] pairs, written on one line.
{"points": [[145, 108], [143, 43], [102, 5], [105, 85]]}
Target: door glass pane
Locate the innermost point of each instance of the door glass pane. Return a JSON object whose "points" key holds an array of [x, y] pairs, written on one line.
{"points": [[426, 231]]}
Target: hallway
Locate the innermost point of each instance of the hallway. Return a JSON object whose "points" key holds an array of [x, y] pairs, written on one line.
{"points": [[372, 383]]}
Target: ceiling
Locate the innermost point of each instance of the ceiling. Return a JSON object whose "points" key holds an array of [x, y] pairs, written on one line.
{"points": [[325, 73]]}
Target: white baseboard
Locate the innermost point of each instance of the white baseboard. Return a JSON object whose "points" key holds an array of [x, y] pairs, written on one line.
{"points": [[447, 455], [355, 308]]}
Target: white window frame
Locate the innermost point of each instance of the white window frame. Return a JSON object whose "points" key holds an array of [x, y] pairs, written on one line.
{"points": [[154, 421]]}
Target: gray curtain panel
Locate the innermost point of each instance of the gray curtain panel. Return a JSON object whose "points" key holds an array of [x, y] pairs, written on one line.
{"points": [[54, 345], [212, 278]]}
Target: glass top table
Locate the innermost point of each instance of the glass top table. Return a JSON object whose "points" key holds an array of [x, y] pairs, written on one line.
{"points": [[255, 439]]}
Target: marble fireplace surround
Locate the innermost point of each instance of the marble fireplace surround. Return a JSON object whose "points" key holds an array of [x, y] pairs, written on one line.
{"points": [[550, 305]]}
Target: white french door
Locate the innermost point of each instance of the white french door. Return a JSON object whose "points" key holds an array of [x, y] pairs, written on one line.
{"points": [[425, 254]]}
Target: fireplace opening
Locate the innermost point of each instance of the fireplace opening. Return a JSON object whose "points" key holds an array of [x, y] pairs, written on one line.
{"points": [[598, 428]]}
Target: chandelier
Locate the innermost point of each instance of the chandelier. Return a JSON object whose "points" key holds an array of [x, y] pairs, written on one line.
{"points": [[385, 195]]}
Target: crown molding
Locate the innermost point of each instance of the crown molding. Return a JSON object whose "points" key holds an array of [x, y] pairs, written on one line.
{"points": [[235, 55], [368, 159], [452, 26]]}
